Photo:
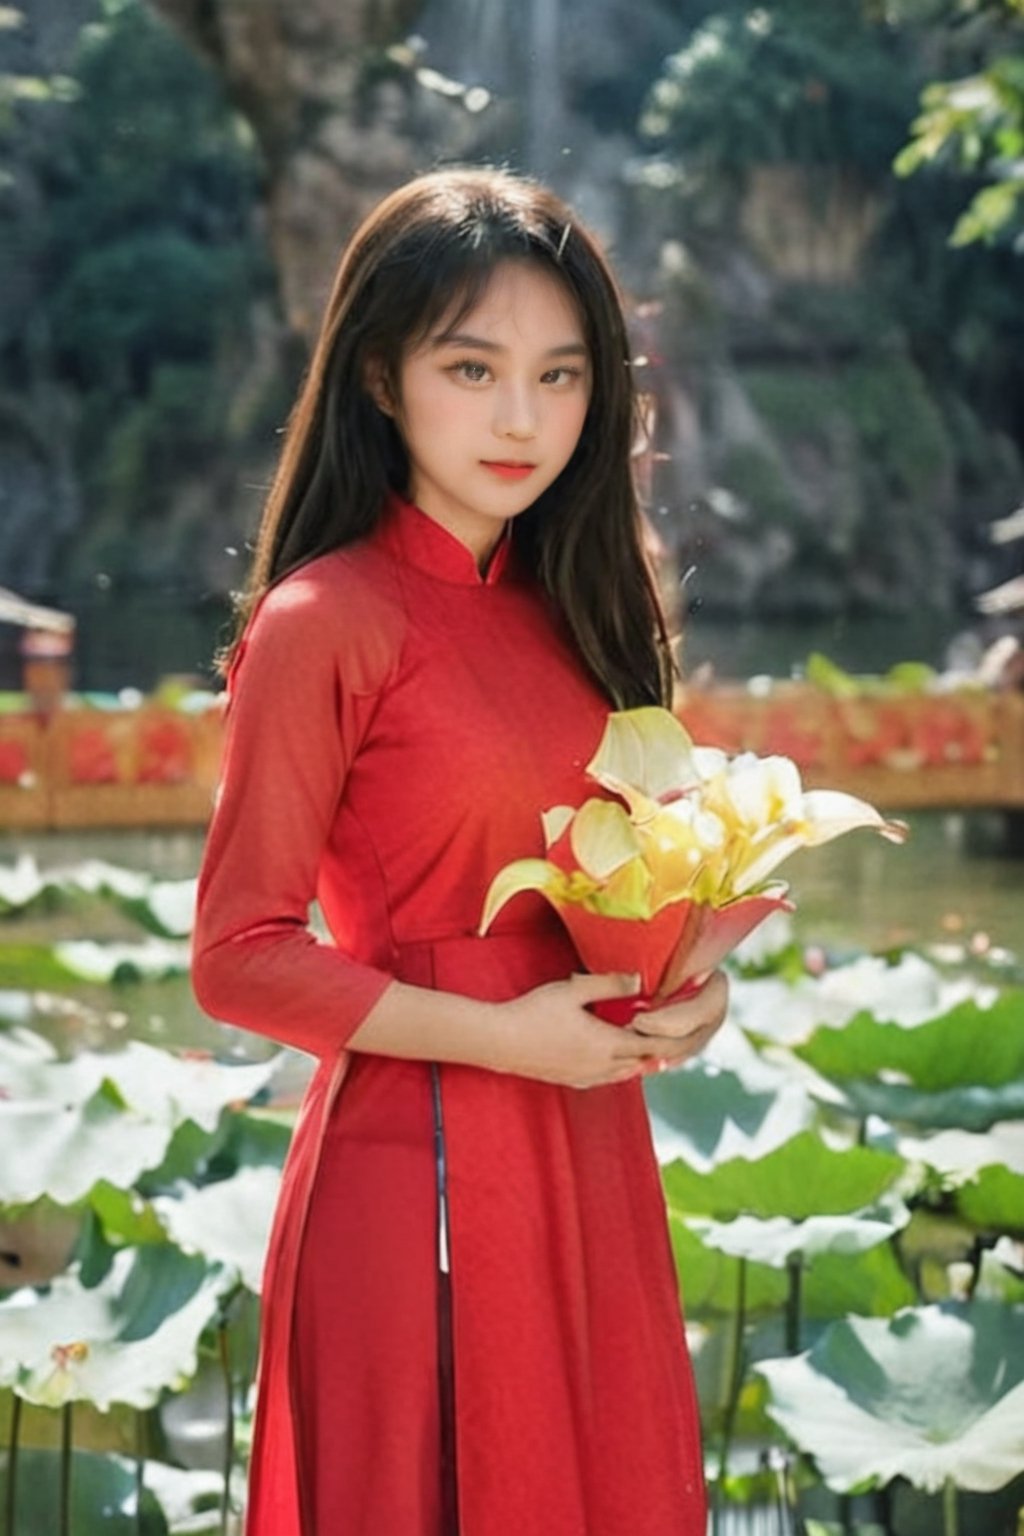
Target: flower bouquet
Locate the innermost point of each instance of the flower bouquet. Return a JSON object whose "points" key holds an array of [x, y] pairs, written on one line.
{"points": [[667, 883]]}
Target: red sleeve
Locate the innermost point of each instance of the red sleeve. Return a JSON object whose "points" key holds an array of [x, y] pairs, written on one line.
{"points": [[300, 696]]}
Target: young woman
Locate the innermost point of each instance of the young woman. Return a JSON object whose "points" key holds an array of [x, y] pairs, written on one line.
{"points": [[471, 1318]]}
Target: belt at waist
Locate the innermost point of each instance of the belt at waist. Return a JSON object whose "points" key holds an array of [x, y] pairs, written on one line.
{"points": [[492, 967]]}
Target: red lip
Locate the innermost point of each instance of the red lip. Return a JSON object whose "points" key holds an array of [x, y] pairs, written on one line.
{"points": [[508, 469]]}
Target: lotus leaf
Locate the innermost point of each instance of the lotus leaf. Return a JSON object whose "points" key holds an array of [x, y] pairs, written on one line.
{"points": [[908, 992], [871, 1284], [971, 1108], [706, 1116], [995, 1201], [932, 1395], [965, 1152], [802, 1178], [965, 1069], [103, 1496], [776, 1240], [192, 1086], [228, 1222], [164, 906], [185, 1496], [1001, 1273], [32, 966], [969, 1044], [66, 1125], [172, 904], [124, 1340], [154, 959], [708, 1279]]}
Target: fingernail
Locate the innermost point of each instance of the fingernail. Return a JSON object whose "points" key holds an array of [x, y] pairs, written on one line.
{"points": [[632, 980]]}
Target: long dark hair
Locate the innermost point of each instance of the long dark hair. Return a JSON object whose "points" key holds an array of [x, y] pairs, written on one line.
{"points": [[430, 246]]}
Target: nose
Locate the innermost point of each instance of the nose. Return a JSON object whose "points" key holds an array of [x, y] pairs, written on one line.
{"points": [[515, 411]]}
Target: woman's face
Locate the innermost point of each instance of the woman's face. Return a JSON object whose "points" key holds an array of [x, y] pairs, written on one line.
{"points": [[491, 413]]}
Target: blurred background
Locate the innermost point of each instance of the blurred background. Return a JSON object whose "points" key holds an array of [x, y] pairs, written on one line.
{"points": [[817, 213]]}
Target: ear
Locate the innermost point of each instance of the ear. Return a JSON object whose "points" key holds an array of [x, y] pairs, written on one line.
{"points": [[376, 385]]}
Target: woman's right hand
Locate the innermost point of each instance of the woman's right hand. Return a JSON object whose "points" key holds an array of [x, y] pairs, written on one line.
{"points": [[549, 1034]]}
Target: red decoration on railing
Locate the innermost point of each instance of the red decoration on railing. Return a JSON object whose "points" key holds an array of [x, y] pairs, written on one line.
{"points": [[91, 757], [919, 733], [13, 762], [165, 753]]}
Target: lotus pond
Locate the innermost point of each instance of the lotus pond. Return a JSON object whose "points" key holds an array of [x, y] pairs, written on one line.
{"points": [[844, 1174]]}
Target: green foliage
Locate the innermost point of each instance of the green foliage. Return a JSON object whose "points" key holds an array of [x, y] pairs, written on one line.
{"points": [[975, 126], [144, 302], [147, 265], [901, 442], [792, 80], [860, 473], [150, 144], [757, 477]]}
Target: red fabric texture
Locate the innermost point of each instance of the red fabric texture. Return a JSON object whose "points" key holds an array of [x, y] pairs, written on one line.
{"points": [[395, 725]]}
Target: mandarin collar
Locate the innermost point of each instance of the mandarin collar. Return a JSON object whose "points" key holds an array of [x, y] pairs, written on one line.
{"points": [[419, 540]]}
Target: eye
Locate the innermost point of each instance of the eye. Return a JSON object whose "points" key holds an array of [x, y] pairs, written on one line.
{"points": [[471, 372], [564, 376]]}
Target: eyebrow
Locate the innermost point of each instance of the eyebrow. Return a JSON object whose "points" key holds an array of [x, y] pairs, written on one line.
{"points": [[463, 339]]}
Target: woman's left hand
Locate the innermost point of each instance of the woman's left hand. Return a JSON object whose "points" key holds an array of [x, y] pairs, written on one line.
{"points": [[685, 1027]]}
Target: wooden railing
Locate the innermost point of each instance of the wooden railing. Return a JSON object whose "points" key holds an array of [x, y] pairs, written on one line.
{"points": [[154, 766], [899, 751]]}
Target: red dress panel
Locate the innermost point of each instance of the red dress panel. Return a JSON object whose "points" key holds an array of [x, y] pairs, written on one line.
{"points": [[395, 725]]}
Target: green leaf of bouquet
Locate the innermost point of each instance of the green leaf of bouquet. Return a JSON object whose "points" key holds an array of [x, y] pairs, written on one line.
{"points": [[994, 1201], [802, 1178], [933, 1394], [123, 1341], [227, 1222], [706, 1115], [102, 1496]]}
